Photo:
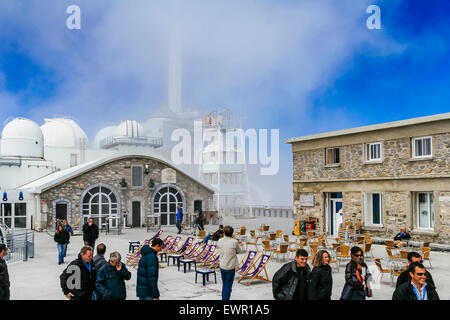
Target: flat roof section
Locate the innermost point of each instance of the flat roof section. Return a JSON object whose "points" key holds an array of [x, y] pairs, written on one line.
{"points": [[387, 125]]}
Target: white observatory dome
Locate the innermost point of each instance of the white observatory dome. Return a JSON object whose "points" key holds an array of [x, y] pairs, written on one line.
{"points": [[22, 138], [130, 129], [103, 134], [63, 133]]}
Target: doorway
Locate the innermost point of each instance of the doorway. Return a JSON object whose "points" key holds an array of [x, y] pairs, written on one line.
{"points": [[333, 212], [136, 214], [61, 211], [198, 205]]}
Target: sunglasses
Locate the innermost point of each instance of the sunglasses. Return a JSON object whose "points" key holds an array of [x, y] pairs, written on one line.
{"points": [[358, 255], [421, 274]]}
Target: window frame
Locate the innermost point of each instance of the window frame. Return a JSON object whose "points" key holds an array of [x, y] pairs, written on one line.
{"points": [[368, 209], [142, 176], [413, 147], [430, 209], [367, 152], [333, 164]]}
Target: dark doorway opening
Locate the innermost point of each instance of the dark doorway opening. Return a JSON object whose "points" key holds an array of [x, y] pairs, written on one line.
{"points": [[198, 205], [136, 214], [61, 211]]}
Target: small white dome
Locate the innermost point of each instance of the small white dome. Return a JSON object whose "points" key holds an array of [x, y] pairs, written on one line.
{"points": [[63, 133], [130, 129], [22, 138], [103, 134]]}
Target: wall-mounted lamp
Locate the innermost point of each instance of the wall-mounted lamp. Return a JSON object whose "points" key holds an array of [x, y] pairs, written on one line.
{"points": [[5, 196], [20, 196], [151, 184], [123, 183], [146, 169]]}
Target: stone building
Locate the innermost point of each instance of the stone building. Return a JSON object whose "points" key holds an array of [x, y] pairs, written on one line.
{"points": [[384, 176], [131, 189]]}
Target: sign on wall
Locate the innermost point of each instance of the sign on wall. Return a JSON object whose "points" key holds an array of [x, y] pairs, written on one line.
{"points": [[306, 200], [168, 175]]}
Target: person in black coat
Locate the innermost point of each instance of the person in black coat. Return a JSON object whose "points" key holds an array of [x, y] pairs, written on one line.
{"points": [[69, 229], [78, 279], [90, 233], [292, 280], [356, 277], [110, 284], [4, 275], [405, 277], [399, 239], [62, 237], [321, 278], [417, 288], [148, 271]]}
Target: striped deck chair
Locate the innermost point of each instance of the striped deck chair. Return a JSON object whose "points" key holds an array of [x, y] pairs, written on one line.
{"points": [[135, 261], [199, 252], [137, 252], [177, 254], [258, 266], [246, 261], [193, 249], [207, 254], [171, 245], [212, 262]]}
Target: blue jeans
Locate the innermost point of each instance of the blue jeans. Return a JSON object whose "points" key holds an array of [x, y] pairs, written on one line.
{"points": [[207, 238], [145, 298], [61, 252], [179, 226], [227, 282]]}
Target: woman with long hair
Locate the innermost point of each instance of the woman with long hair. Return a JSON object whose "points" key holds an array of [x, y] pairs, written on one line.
{"points": [[62, 238], [356, 277], [321, 277]]}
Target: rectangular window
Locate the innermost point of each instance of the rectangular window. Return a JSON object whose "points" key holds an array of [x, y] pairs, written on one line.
{"points": [[424, 210], [137, 176], [6, 214], [332, 156], [422, 147], [373, 210], [373, 151]]}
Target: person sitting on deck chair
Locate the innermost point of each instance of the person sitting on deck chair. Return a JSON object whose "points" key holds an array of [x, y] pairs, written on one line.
{"points": [[215, 236]]}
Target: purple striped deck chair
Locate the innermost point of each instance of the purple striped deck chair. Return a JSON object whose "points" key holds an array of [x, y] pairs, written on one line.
{"points": [[246, 261], [183, 248], [208, 253], [196, 254], [133, 259], [170, 245], [193, 249], [212, 262], [258, 266]]}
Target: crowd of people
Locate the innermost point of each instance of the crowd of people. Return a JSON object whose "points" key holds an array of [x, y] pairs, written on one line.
{"points": [[296, 281], [92, 277]]}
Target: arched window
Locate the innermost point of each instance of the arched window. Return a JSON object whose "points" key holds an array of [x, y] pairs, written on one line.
{"points": [[100, 202], [165, 202]]}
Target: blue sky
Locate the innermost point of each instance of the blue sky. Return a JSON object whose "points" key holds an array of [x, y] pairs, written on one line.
{"points": [[299, 66]]}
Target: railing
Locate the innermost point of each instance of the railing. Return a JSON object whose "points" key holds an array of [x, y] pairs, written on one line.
{"points": [[113, 141], [20, 244]]}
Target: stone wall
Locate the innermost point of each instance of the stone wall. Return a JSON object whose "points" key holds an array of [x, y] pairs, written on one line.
{"points": [[112, 174], [309, 165]]}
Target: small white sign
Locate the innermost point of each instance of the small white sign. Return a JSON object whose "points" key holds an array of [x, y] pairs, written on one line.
{"points": [[306, 200], [168, 175]]}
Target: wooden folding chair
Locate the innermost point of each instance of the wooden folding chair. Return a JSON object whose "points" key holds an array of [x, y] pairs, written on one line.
{"points": [[258, 266], [426, 255], [246, 261]]}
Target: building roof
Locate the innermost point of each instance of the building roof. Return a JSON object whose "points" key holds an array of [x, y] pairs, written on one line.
{"points": [[56, 178], [382, 126]]}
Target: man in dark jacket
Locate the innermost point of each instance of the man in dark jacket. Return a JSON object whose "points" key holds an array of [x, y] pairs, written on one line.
{"points": [[405, 277], [4, 275], [215, 236], [110, 284], [99, 259], [90, 233], [417, 288], [69, 229], [399, 239], [148, 270], [78, 280], [292, 280]]}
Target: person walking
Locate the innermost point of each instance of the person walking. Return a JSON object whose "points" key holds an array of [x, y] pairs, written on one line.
{"points": [[148, 271], [228, 249], [110, 283], [200, 218], [356, 277], [69, 229], [321, 277], [292, 280], [99, 260], [90, 233], [417, 288], [405, 276], [215, 236], [4, 275], [85, 276], [62, 239], [179, 218]]}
